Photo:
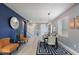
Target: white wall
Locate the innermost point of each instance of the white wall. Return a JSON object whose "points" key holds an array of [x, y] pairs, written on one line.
{"points": [[72, 40]]}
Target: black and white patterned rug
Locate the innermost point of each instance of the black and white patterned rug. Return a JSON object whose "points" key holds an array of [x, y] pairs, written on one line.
{"points": [[49, 50]]}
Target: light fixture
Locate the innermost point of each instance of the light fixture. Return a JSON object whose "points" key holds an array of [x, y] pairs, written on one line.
{"points": [[48, 13]]}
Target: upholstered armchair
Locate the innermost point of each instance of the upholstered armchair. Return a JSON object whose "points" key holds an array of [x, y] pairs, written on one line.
{"points": [[6, 47], [51, 40], [23, 38]]}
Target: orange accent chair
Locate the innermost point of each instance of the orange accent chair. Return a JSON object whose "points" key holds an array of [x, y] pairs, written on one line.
{"points": [[6, 47], [23, 38]]}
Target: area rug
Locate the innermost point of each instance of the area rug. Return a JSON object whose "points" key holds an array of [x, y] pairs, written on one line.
{"points": [[50, 50]]}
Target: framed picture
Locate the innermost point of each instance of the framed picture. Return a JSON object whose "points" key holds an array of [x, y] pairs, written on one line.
{"points": [[77, 22], [72, 23]]}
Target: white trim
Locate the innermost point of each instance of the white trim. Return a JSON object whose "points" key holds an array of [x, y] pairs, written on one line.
{"points": [[68, 48]]}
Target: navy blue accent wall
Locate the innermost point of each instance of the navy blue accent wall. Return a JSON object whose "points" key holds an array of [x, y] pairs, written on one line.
{"points": [[5, 15]]}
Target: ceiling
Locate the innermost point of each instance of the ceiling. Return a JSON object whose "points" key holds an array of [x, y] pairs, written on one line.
{"points": [[38, 12]]}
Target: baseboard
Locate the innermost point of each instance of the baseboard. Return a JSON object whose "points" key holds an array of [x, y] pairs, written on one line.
{"points": [[73, 52]]}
